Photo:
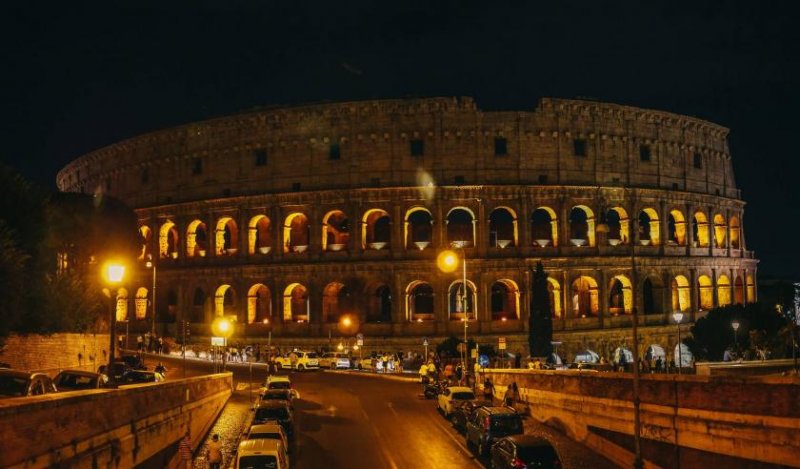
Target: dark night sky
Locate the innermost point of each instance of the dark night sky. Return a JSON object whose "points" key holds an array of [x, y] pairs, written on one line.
{"points": [[77, 77]]}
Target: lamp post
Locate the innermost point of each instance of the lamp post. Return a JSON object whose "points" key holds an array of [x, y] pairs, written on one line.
{"points": [[151, 264], [448, 262], [678, 317], [113, 274], [735, 325], [602, 227], [222, 327]]}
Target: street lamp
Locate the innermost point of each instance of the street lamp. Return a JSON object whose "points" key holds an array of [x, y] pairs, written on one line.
{"points": [[113, 274], [151, 264], [448, 262], [222, 327], [735, 325], [678, 317]]}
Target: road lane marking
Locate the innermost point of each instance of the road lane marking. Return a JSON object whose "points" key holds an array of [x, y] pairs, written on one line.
{"points": [[391, 407]]}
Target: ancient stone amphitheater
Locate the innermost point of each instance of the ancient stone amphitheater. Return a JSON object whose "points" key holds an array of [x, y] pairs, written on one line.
{"points": [[289, 218]]}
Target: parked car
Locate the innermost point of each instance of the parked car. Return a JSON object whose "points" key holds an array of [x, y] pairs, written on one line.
{"points": [[523, 452], [278, 382], [15, 383], [77, 380], [140, 376], [460, 415], [334, 361], [452, 397], [281, 395], [489, 423], [275, 411], [268, 431], [305, 361], [261, 453]]}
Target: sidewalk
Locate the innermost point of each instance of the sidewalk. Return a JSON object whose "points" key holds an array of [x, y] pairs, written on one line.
{"points": [[232, 421]]}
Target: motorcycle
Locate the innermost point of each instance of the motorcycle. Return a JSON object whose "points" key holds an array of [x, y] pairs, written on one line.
{"points": [[433, 389]]}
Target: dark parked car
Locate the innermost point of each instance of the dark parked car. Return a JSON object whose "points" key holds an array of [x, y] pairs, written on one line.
{"points": [[487, 424], [275, 411], [280, 395], [524, 452], [76, 380], [140, 376], [15, 383]]}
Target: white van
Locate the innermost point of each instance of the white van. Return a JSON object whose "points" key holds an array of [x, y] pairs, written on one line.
{"points": [[262, 454]]}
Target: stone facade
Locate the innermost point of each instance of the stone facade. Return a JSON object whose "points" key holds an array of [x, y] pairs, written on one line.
{"points": [[290, 218], [51, 353]]}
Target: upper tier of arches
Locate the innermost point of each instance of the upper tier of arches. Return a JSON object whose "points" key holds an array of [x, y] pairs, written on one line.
{"points": [[388, 143]]}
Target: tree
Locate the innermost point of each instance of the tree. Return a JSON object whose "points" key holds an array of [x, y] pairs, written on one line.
{"points": [[540, 333], [761, 327]]}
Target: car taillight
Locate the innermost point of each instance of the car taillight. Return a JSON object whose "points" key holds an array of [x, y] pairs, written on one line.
{"points": [[518, 463]]}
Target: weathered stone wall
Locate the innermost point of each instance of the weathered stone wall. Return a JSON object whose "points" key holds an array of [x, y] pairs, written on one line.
{"points": [[116, 428], [686, 420], [50, 353]]}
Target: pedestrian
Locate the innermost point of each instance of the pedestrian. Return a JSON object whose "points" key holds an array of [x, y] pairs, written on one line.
{"points": [[448, 372], [214, 452], [139, 343], [293, 360], [488, 391], [120, 339], [459, 372], [185, 451], [423, 374], [518, 359], [160, 345], [385, 360], [508, 397]]}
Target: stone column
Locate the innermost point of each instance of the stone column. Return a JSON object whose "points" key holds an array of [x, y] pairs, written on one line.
{"points": [[397, 244], [524, 225]]}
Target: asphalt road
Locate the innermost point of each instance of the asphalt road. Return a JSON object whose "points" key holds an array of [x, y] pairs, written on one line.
{"points": [[352, 419]]}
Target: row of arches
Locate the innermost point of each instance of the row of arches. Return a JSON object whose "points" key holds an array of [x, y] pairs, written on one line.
{"points": [[461, 227], [375, 301]]}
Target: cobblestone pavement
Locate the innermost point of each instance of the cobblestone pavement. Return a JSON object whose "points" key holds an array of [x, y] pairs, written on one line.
{"points": [[234, 418]]}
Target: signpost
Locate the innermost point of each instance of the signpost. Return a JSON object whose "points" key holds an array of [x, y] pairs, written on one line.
{"points": [[425, 343], [360, 339], [502, 343]]}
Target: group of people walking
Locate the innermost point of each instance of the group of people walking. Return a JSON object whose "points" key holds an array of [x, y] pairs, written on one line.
{"points": [[149, 343]]}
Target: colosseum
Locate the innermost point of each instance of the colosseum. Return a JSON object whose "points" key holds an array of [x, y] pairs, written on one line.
{"points": [[288, 218]]}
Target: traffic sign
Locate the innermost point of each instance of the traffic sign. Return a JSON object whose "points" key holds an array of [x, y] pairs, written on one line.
{"points": [[502, 343], [360, 342]]}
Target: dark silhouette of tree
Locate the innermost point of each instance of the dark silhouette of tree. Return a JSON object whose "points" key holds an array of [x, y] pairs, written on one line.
{"points": [[540, 333], [761, 326]]}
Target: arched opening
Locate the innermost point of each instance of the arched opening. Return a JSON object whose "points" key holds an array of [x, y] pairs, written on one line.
{"points": [[618, 226], [335, 231], [719, 231], [738, 290], [683, 356], [585, 297], [461, 227], [336, 300], [676, 226], [700, 230], [654, 352], [227, 237], [751, 289], [419, 302], [681, 294], [554, 290], [377, 232], [259, 235], [456, 298], [168, 241], [141, 303], [196, 239], [122, 305], [723, 290], [145, 238], [544, 227], [379, 304], [198, 302], [581, 226], [649, 227], [259, 304], [296, 307], [623, 357], [505, 300], [224, 301], [735, 231], [620, 297], [502, 228], [296, 233], [705, 292], [418, 228]]}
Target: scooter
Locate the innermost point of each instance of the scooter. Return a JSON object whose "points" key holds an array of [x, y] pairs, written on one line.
{"points": [[433, 389]]}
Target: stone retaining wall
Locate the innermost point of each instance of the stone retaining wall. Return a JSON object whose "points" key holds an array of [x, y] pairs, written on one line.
{"points": [[50, 353]]}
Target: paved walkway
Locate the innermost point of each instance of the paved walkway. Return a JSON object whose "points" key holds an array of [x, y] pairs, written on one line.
{"points": [[234, 419]]}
